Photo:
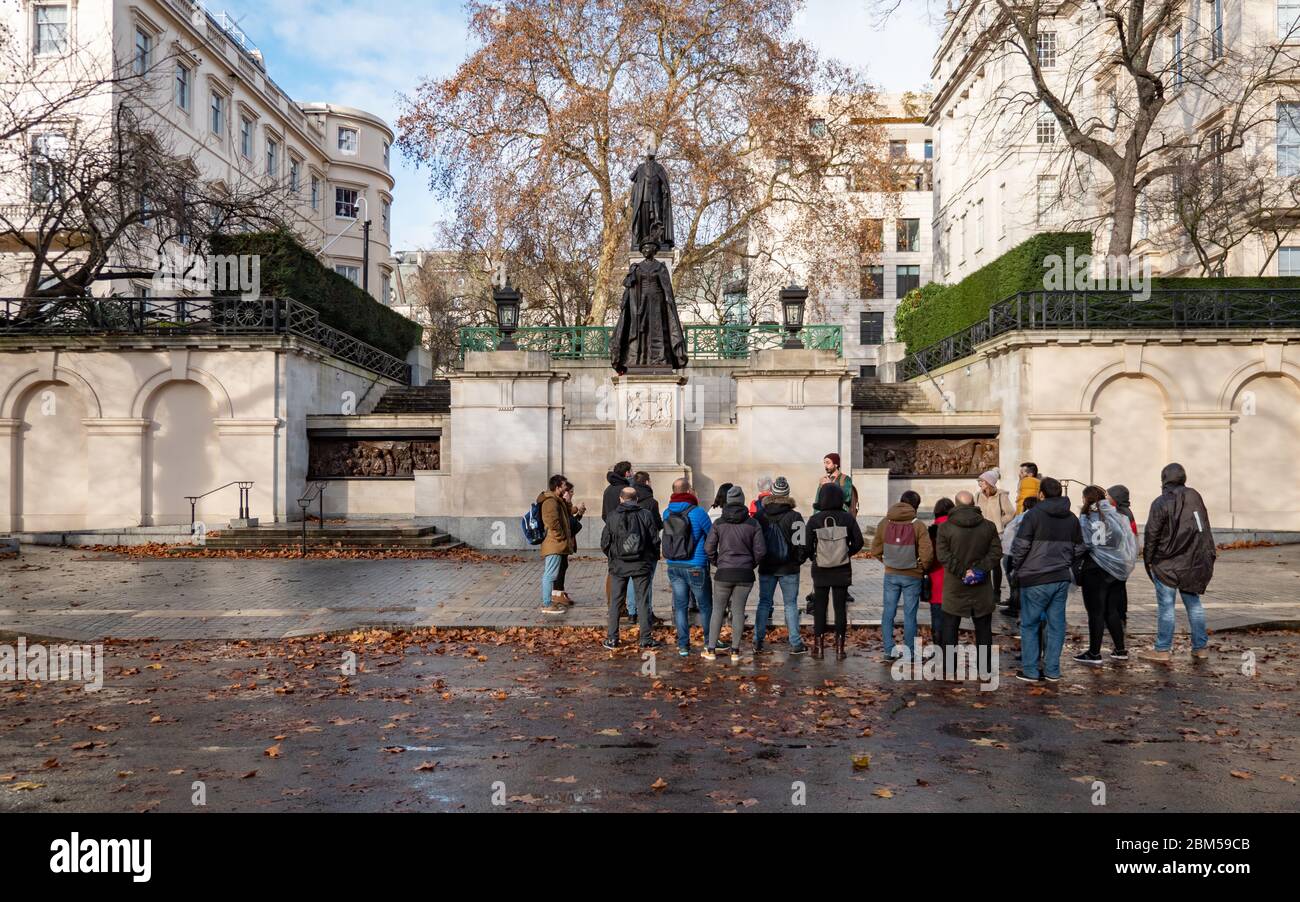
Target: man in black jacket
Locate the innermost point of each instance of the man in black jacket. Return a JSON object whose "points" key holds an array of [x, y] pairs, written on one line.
{"points": [[631, 543], [619, 477], [1048, 547], [1178, 551]]}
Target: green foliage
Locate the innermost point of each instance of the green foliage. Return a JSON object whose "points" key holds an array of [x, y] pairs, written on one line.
{"points": [[290, 270], [936, 311]]}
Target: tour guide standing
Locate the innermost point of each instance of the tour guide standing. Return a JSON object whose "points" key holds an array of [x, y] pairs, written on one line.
{"points": [[1048, 546], [686, 526], [845, 482], [1178, 551], [631, 543]]}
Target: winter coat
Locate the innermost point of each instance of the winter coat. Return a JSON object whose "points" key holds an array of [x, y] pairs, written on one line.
{"points": [[904, 513], [1029, 487], [610, 499], [735, 545], [1109, 541], [701, 525], [996, 508], [558, 518], [645, 497], [1178, 547], [830, 512], [967, 541], [936, 569], [627, 511], [1049, 544], [780, 513]]}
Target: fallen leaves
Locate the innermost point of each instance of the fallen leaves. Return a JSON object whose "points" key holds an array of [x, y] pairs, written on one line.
{"points": [[883, 793], [659, 785], [425, 766], [273, 751], [26, 786], [861, 762]]}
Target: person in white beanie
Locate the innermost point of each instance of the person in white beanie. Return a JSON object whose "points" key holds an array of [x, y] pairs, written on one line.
{"points": [[997, 507]]}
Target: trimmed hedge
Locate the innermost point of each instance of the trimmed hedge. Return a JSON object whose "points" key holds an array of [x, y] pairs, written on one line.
{"points": [[290, 270], [935, 311]]}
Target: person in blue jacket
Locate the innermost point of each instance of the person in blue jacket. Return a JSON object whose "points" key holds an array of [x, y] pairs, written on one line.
{"points": [[686, 525]]}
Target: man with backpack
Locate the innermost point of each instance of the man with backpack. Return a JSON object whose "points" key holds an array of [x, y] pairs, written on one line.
{"points": [[902, 543], [552, 523], [1178, 551], [686, 526], [783, 537], [631, 543]]}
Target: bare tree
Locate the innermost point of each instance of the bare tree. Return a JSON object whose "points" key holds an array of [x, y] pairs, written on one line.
{"points": [[447, 291]]}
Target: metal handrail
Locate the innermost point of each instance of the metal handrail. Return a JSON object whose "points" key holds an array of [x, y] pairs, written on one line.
{"points": [[244, 490], [315, 492], [731, 341]]}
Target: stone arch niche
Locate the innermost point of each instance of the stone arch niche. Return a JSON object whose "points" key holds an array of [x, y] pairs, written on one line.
{"points": [[50, 489], [182, 455], [1129, 438], [1265, 437]]}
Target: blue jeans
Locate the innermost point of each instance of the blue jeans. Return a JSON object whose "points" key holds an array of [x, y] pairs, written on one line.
{"points": [[550, 570], [687, 581], [909, 587], [631, 594], [1037, 604], [767, 583], [1165, 617]]}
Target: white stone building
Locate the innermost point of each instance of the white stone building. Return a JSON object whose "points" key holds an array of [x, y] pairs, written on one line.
{"points": [[209, 86]]}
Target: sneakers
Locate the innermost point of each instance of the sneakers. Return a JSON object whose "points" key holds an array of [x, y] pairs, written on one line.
{"points": [[760, 648], [1052, 679], [609, 644], [683, 652], [709, 655], [1154, 655], [799, 650], [723, 645], [553, 608], [1119, 654], [1092, 660], [652, 643], [1020, 675], [735, 654], [1200, 653]]}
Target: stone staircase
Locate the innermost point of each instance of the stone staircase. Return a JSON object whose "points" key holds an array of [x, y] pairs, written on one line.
{"points": [[890, 397], [335, 537], [432, 398]]}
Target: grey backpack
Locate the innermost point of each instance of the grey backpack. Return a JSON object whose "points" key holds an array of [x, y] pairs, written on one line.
{"points": [[832, 544]]}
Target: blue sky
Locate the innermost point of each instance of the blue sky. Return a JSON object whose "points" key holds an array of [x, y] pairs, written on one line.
{"points": [[365, 54]]}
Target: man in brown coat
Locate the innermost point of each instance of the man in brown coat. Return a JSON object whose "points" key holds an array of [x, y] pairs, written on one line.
{"points": [[562, 523]]}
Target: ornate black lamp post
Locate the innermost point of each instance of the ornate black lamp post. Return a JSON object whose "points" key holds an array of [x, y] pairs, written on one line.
{"points": [[507, 300], [793, 299]]}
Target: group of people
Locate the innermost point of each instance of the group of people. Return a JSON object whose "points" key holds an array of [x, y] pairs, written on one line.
{"points": [[957, 563]]}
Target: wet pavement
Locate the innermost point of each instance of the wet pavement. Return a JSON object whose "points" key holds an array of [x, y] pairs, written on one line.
{"points": [[540, 720]]}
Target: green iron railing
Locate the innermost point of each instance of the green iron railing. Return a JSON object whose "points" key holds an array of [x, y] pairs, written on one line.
{"points": [[730, 342]]}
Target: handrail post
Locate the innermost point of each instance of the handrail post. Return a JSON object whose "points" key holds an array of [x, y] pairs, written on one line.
{"points": [[321, 496]]}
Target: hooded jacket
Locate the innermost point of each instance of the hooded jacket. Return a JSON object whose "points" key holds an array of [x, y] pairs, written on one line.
{"points": [[735, 545], [900, 512], [628, 511], [1049, 544], [1178, 547], [779, 513], [701, 525], [645, 497], [561, 525], [830, 511], [609, 500], [967, 541]]}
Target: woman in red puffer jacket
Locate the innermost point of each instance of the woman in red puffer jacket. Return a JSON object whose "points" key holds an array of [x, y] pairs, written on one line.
{"points": [[942, 508]]}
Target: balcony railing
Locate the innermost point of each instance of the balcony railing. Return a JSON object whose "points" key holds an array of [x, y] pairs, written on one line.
{"points": [[192, 316], [730, 342], [1172, 309]]}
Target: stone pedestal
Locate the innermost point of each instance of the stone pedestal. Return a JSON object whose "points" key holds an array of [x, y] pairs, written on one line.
{"points": [[650, 424]]}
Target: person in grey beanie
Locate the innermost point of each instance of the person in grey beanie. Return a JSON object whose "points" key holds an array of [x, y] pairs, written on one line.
{"points": [[735, 547], [778, 567]]}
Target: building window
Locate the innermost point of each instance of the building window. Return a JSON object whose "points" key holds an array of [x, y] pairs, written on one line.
{"points": [[218, 111], [347, 140], [351, 273], [315, 193], [871, 282], [386, 287], [1046, 131], [143, 51], [909, 235], [897, 150], [385, 215], [345, 203], [246, 137], [1288, 139], [272, 157], [1002, 210], [873, 235], [871, 328], [1046, 209], [47, 152], [979, 224], [387, 154], [905, 279], [51, 31], [817, 128], [929, 149], [867, 371], [1288, 19], [1216, 29], [1047, 50], [295, 175], [1176, 51], [183, 86], [1288, 261]]}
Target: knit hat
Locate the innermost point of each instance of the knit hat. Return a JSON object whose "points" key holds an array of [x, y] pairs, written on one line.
{"points": [[1120, 494], [735, 495], [780, 488], [834, 458], [990, 476]]}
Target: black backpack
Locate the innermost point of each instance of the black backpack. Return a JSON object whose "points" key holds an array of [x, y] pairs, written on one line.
{"points": [[629, 539], [678, 539], [778, 549]]}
